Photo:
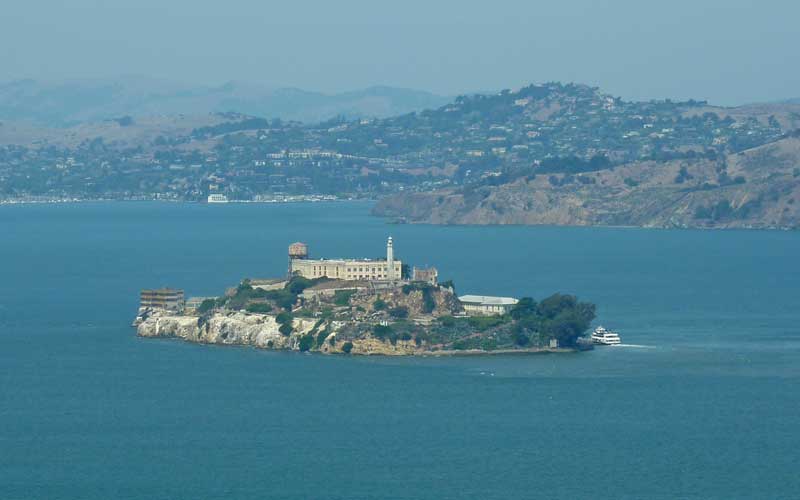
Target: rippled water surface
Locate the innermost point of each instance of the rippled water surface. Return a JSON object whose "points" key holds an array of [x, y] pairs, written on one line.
{"points": [[702, 402]]}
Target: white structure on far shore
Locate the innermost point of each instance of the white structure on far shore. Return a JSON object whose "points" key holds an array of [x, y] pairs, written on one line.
{"points": [[483, 305], [217, 198]]}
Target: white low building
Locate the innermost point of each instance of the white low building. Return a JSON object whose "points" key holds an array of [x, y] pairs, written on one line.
{"points": [[484, 305], [217, 198]]}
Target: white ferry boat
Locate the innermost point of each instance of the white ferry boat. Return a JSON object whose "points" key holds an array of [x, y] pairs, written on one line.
{"points": [[605, 337]]}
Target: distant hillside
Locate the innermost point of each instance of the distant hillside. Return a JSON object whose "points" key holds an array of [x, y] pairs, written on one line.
{"points": [[757, 188], [81, 101], [543, 154]]}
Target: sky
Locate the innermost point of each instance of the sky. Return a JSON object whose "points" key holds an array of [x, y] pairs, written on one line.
{"points": [[728, 52]]}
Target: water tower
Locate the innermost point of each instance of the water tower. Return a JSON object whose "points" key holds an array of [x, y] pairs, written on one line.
{"points": [[297, 250]]}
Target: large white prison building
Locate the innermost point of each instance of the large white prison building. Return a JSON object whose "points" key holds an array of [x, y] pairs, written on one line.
{"points": [[387, 269]]}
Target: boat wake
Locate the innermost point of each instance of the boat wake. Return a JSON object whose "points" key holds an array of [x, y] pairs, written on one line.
{"points": [[636, 346]]}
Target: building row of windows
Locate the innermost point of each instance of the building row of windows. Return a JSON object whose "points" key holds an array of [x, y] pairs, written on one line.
{"points": [[353, 269]]}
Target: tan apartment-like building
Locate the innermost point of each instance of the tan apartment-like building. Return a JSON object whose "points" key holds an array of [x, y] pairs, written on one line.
{"points": [[168, 299]]}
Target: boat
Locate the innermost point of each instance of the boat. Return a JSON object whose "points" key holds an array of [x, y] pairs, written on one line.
{"points": [[603, 336]]}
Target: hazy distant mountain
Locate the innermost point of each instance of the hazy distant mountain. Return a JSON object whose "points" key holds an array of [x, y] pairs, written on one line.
{"points": [[92, 100]]}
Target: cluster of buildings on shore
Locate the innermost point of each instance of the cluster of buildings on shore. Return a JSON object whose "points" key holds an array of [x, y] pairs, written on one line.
{"points": [[347, 274]]}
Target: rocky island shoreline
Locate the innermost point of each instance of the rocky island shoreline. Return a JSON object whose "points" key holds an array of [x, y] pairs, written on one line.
{"points": [[375, 310]]}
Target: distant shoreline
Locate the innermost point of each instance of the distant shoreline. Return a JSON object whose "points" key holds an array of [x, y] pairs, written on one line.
{"points": [[389, 220], [66, 201]]}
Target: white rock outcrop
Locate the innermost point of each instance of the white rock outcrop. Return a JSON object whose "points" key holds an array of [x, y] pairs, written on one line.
{"points": [[259, 330]]}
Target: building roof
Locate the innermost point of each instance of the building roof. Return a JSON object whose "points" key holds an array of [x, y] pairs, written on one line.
{"points": [[486, 300], [346, 261]]}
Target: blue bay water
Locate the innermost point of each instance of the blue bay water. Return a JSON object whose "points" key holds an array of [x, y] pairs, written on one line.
{"points": [[703, 403]]}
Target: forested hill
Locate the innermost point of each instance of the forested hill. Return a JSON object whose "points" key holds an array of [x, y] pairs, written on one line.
{"points": [[567, 152]]}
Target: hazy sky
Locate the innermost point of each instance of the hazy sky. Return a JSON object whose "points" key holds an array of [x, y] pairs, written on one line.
{"points": [[729, 52]]}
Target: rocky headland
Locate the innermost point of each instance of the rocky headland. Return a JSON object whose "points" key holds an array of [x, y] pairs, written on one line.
{"points": [[758, 188]]}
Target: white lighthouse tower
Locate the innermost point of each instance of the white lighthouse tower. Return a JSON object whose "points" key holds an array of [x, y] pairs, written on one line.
{"points": [[390, 260]]}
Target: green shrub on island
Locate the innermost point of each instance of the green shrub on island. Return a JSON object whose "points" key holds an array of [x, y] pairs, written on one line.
{"points": [[399, 312], [447, 321], [382, 331], [298, 284], [342, 297], [321, 336], [258, 307], [489, 344], [483, 323], [306, 342], [285, 298], [385, 332], [347, 347], [206, 306], [520, 337], [285, 320], [559, 317], [243, 294], [475, 343], [286, 329], [282, 298], [412, 287], [465, 344], [428, 302]]}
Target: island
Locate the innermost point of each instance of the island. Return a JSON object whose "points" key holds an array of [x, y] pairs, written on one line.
{"points": [[366, 306]]}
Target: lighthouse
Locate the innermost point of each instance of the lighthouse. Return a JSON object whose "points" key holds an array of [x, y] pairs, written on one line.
{"points": [[390, 260]]}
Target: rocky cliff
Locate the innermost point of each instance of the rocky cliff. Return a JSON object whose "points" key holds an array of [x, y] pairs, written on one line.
{"points": [[758, 188], [261, 330]]}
